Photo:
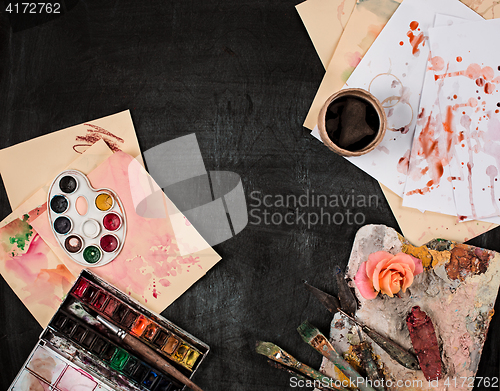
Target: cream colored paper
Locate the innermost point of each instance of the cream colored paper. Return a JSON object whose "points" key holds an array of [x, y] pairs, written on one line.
{"points": [[40, 158], [325, 21], [417, 227]]}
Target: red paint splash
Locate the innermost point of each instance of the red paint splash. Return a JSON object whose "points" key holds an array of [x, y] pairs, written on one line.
{"points": [[436, 63], [483, 76], [415, 40], [459, 59]]}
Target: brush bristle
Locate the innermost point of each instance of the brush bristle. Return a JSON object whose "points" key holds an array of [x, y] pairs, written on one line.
{"points": [[307, 331], [80, 312], [267, 349]]}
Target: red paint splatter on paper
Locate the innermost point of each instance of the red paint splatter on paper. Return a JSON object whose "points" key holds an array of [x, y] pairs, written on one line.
{"points": [[415, 40], [436, 63], [434, 150], [404, 163], [483, 76]]}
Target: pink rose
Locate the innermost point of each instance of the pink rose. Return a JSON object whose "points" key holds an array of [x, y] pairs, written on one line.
{"points": [[386, 273]]}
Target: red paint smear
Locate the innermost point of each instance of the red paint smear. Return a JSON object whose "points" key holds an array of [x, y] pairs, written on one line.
{"points": [[428, 147], [489, 88], [95, 134], [414, 25], [404, 163], [415, 41]]}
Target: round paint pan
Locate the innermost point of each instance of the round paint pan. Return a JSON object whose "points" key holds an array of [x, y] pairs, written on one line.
{"points": [[91, 228], [104, 202], [63, 225], [109, 243], [59, 204], [92, 254], [112, 221], [73, 244], [89, 223], [68, 184]]}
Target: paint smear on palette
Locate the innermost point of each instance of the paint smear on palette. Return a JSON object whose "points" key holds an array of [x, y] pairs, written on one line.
{"points": [[46, 365], [27, 381], [30, 268]]}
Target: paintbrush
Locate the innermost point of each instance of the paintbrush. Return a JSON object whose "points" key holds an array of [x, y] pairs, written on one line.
{"points": [[290, 371], [347, 300], [397, 352], [148, 354], [277, 354], [312, 336], [349, 303]]}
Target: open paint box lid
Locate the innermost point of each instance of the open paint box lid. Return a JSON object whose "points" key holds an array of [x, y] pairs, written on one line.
{"points": [[89, 224]]}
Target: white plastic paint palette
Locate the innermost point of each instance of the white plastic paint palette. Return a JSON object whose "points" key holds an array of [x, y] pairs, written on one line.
{"points": [[89, 224]]}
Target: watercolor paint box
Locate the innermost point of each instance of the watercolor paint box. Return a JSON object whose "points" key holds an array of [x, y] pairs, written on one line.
{"points": [[77, 352]]}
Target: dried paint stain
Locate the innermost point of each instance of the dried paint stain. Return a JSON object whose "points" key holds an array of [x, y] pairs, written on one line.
{"points": [[466, 261]]}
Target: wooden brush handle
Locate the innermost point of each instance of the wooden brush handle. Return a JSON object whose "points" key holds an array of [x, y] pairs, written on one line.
{"points": [[159, 362]]}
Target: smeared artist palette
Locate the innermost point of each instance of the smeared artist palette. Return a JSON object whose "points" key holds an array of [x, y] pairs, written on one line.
{"points": [[76, 353], [88, 223]]}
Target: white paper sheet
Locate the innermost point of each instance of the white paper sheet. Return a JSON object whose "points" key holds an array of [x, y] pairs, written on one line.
{"points": [[469, 96], [393, 70], [428, 185]]}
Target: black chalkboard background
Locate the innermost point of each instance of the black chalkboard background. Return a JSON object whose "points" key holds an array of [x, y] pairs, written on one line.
{"points": [[241, 74]]}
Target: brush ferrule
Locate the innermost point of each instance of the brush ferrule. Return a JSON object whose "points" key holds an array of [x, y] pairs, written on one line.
{"points": [[115, 329]]}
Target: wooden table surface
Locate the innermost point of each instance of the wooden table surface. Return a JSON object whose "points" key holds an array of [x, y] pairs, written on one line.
{"points": [[241, 75]]}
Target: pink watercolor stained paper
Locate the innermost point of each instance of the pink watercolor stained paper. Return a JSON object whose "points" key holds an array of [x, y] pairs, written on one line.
{"points": [[32, 270], [150, 266], [30, 267], [393, 70]]}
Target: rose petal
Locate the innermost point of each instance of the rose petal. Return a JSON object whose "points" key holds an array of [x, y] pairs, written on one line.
{"points": [[396, 282], [374, 259], [396, 267], [378, 269], [403, 258], [364, 284], [385, 284], [418, 265], [407, 281]]}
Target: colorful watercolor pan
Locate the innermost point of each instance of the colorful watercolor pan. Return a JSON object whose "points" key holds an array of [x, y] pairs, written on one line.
{"points": [[88, 223], [77, 354], [165, 341]]}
